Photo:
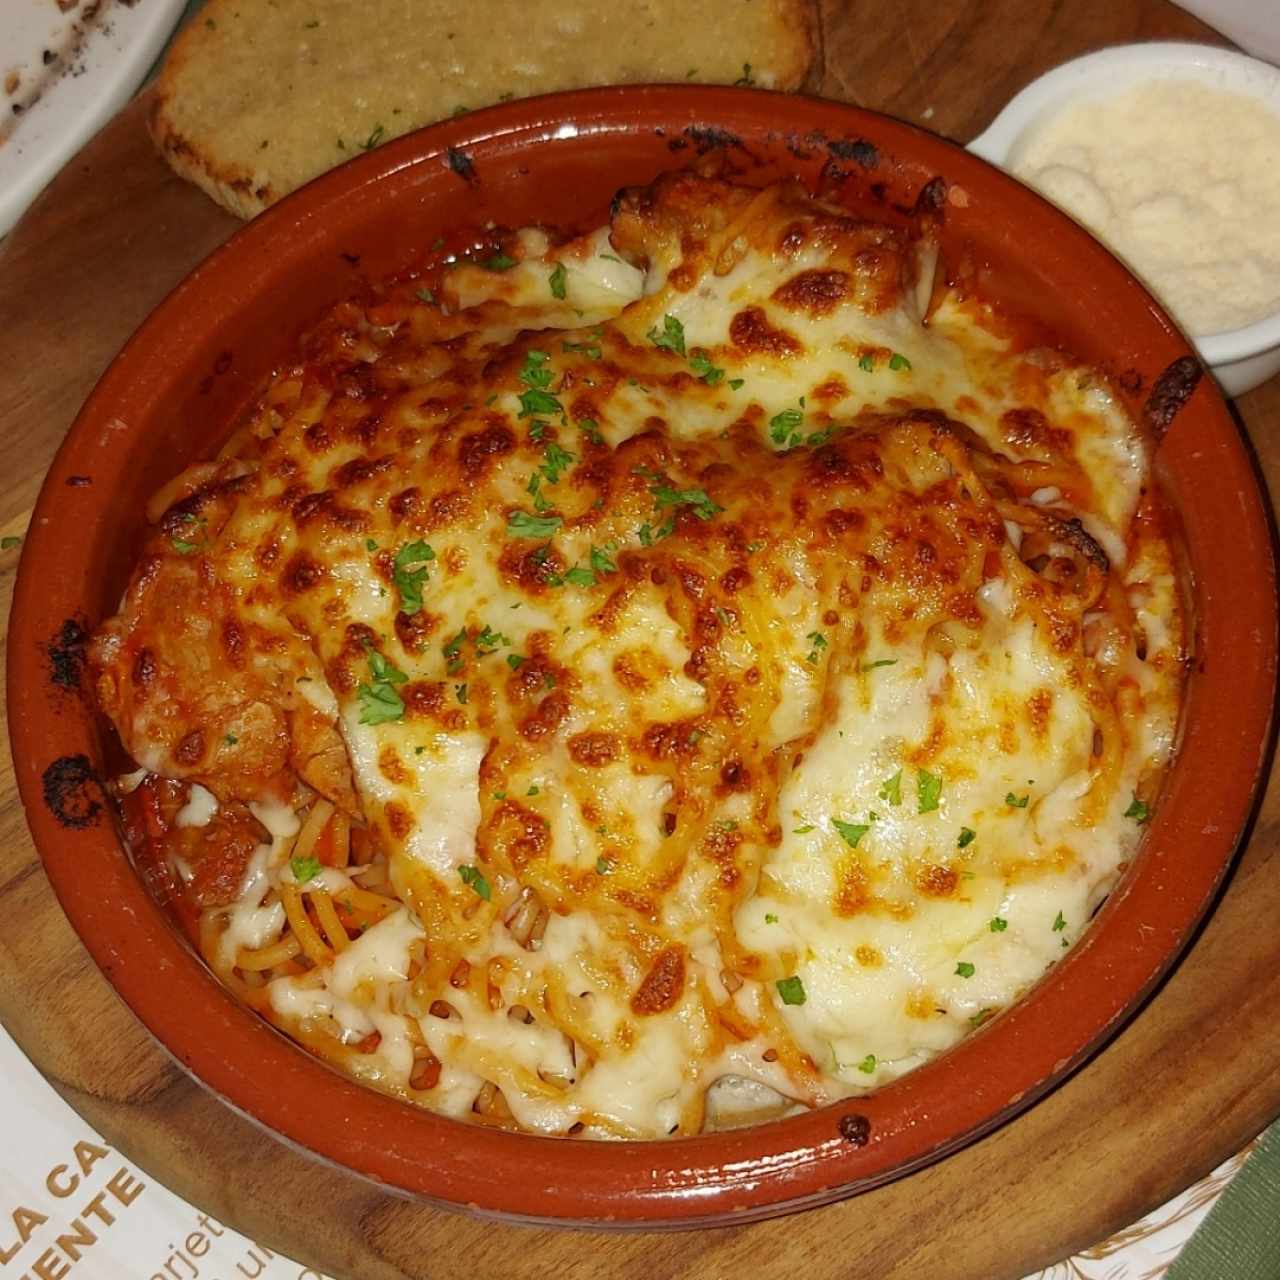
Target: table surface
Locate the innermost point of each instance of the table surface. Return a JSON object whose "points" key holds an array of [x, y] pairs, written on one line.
{"points": [[1186, 1083]]}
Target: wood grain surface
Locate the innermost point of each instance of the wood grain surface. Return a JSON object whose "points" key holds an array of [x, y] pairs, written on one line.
{"points": [[1185, 1084]]}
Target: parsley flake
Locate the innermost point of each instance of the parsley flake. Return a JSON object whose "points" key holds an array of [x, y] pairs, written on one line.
{"points": [[850, 832], [591, 429], [737, 384], [600, 561], [819, 642], [409, 580], [967, 837], [603, 866], [304, 869], [965, 970], [473, 877], [898, 362], [998, 924], [867, 362], [461, 691], [891, 790], [770, 918], [879, 662], [379, 701], [1138, 810], [928, 790], [695, 499], [520, 524], [781, 425], [374, 138], [868, 1064], [1016, 802], [791, 990], [702, 366], [1059, 922], [556, 281], [424, 295], [498, 262], [9, 541], [671, 338], [515, 661]]}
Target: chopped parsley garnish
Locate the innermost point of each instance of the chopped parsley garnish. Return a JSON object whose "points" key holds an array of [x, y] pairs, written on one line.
{"points": [[489, 641], [967, 837], [671, 338], [770, 918], [867, 362], [379, 701], [533, 790], [515, 661], [819, 642], [737, 383], [791, 990], [461, 691], [603, 866], [9, 541], [1016, 802], [535, 401], [589, 349], [185, 546], [580, 576], [409, 580], [534, 371], [520, 524], [374, 138], [591, 429], [850, 832], [746, 79], [980, 1017], [498, 262], [370, 545], [782, 426], [898, 362], [230, 739], [1059, 922], [891, 790], [556, 280], [868, 1064], [696, 499], [804, 830], [879, 662], [965, 970], [998, 924], [472, 877], [709, 373], [557, 461], [304, 869], [928, 790], [600, 561], [1138, 810], [424, 295]]}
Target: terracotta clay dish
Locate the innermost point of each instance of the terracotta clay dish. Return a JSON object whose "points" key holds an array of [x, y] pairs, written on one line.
{"points": [[198, 361]]}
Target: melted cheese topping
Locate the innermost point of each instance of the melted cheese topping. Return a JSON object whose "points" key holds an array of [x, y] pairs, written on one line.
{"points": [[751, 665]]}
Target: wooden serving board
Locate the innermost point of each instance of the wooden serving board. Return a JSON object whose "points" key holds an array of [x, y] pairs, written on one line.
{"points": [[1189, 1081]]}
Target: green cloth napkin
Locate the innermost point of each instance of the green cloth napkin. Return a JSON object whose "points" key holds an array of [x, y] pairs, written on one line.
{"points": [[1240, 1237]]}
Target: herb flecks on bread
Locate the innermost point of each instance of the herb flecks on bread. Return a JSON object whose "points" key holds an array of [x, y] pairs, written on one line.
{"points": [[257, 97]]}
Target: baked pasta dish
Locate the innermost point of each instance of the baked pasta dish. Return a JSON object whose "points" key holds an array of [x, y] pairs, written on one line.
{"points": [[649, 681]]}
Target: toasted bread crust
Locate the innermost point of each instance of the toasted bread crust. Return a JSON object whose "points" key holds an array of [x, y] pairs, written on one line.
{"points": [[215, 88]]}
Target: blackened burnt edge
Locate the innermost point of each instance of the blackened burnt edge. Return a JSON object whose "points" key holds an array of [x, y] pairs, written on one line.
{"points": [[855, 1128], [1172, 389], [65, 652], [71, 792]]}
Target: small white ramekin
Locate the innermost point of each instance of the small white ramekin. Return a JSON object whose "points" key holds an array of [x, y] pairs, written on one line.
{"points": [[1239, 358]]}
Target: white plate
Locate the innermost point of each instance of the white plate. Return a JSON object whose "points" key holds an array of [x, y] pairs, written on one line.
{"points": [[73, 71]]}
